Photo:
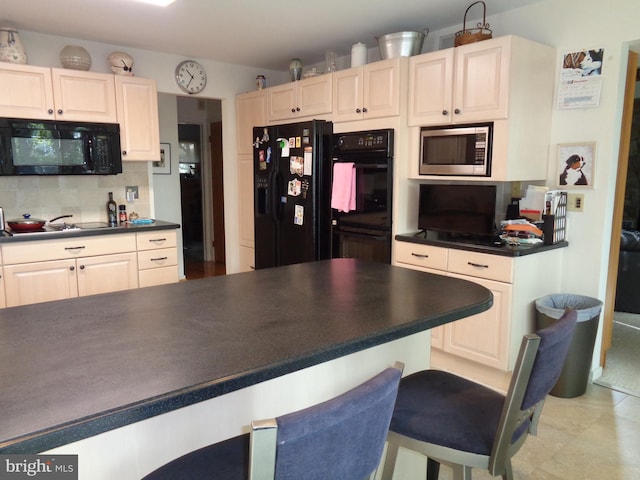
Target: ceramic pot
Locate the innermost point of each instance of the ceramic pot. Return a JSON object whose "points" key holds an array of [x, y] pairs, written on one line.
{"points": [[11, 49], [75, 57]]}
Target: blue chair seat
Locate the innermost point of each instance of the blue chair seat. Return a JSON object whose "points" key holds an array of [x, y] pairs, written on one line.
{"points": [[438, 407]]}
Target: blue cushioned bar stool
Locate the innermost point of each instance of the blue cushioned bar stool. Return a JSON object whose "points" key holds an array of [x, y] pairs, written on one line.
{"points": [[462, 424], [342, 438]]}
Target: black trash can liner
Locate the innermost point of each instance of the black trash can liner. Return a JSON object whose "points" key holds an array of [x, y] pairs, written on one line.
{"points": [[575, 372]]}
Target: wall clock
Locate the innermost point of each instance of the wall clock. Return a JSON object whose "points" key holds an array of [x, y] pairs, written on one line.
{"points": [[191, 77]]}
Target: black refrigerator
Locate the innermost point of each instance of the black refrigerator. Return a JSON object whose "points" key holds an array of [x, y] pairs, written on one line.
{"points": [[292, 190]]}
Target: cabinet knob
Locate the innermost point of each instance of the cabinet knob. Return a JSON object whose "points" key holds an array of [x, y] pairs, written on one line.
{"points": [[293, 110], [297, 109], [358, 110], [457, 111], [59, 111], [81, 267], [124, 152], [50, 111], [72, 268], [364, 110], [445, 112]]}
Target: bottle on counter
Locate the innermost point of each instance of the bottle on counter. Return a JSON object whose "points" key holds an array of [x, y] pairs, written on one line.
{"points": [[122, 214], [111, 211]]}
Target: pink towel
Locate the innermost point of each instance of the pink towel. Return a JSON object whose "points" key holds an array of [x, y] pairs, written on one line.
{"points": [[343, 192]]}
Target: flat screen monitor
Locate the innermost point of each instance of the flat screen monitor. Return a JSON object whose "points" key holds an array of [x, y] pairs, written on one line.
{"points": [[467, 210]]}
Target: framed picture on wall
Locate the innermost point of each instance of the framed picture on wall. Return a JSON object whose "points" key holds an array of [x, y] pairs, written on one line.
{"points": [[163, 166], [576, 163]]}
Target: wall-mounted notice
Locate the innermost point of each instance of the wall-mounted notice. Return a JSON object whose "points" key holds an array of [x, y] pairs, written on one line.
{"points": [[581, 79]]}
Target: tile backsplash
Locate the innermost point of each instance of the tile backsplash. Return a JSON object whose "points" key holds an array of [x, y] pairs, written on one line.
{"points": [[83, 196]]}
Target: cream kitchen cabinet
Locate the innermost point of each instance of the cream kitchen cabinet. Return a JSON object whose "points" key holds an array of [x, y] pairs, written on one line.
{"points": [[28, 91], [310, 97], [367, 92], [507, 81], [251, 111], [484, 347], [157, 257], [481, 81], [45, 270], [137, 107]]}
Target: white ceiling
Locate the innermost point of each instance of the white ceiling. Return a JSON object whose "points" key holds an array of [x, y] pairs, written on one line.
{"points": [[265, 33]]}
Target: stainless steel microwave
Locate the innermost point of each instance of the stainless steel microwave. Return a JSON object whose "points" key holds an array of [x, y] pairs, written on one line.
{"points": [[463, 150], [44, 147]]}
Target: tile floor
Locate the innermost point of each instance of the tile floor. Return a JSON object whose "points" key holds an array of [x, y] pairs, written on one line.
{"points": [[594, 436]]}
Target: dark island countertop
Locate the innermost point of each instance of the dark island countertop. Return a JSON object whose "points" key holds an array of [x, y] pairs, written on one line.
{"points": [[461, 243], [87, 229], [72, 369]]}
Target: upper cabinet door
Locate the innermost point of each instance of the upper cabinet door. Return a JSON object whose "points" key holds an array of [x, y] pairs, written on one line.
{"points": [[347, 94], [251, 111], [137, 100], [381, 89], [282, 101], [482, 80], [84, 96], [314, 95], [431, 88], [26, 92]]}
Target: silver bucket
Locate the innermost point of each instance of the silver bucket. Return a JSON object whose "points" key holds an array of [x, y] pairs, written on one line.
{"points": [[401, 44]]}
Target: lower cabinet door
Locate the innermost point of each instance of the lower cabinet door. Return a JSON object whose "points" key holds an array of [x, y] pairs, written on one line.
{"points": [[484, 337], [107, 273], [40, 282]]}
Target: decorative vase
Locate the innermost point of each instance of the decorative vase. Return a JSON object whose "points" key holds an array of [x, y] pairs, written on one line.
{"points": [[75, 57], [295, 69], [121, 63], [11, 49]]}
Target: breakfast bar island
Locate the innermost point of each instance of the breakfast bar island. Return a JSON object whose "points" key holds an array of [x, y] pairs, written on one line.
{"points": [[130, 380]]}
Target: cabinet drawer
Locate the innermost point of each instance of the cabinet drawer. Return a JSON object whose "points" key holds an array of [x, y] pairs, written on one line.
{"points": [[481, 265], [161, 257], [158, 276], [156, 239], [58, 249], [426, 256]]}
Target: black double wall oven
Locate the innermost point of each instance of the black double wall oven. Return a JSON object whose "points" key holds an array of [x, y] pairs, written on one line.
{"points": [[365, 232]]}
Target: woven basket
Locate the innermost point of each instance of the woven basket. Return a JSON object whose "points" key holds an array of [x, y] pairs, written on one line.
{"points": [[472, 35]]}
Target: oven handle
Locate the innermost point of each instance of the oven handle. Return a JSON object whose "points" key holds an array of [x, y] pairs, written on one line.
{"points": [[368, 165], [361, 235]]}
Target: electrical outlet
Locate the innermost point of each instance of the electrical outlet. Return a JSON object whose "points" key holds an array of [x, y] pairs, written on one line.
{"points": [[575, 202], [131, 193]]}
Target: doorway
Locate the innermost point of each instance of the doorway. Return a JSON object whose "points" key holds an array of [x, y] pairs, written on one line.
{"points": [[200, 165], [190, 169], [621, 335]]}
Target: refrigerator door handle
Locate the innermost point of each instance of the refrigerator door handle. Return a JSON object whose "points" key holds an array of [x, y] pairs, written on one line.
{"points": [[276, 205]]}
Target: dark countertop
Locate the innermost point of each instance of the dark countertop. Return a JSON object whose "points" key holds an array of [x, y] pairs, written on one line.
{"points": [[433, 238], [73, 369], [86, 232]]}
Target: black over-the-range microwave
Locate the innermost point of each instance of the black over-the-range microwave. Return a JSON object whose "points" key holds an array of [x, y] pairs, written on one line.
{"points": [[44, 147], [463, 150]]}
